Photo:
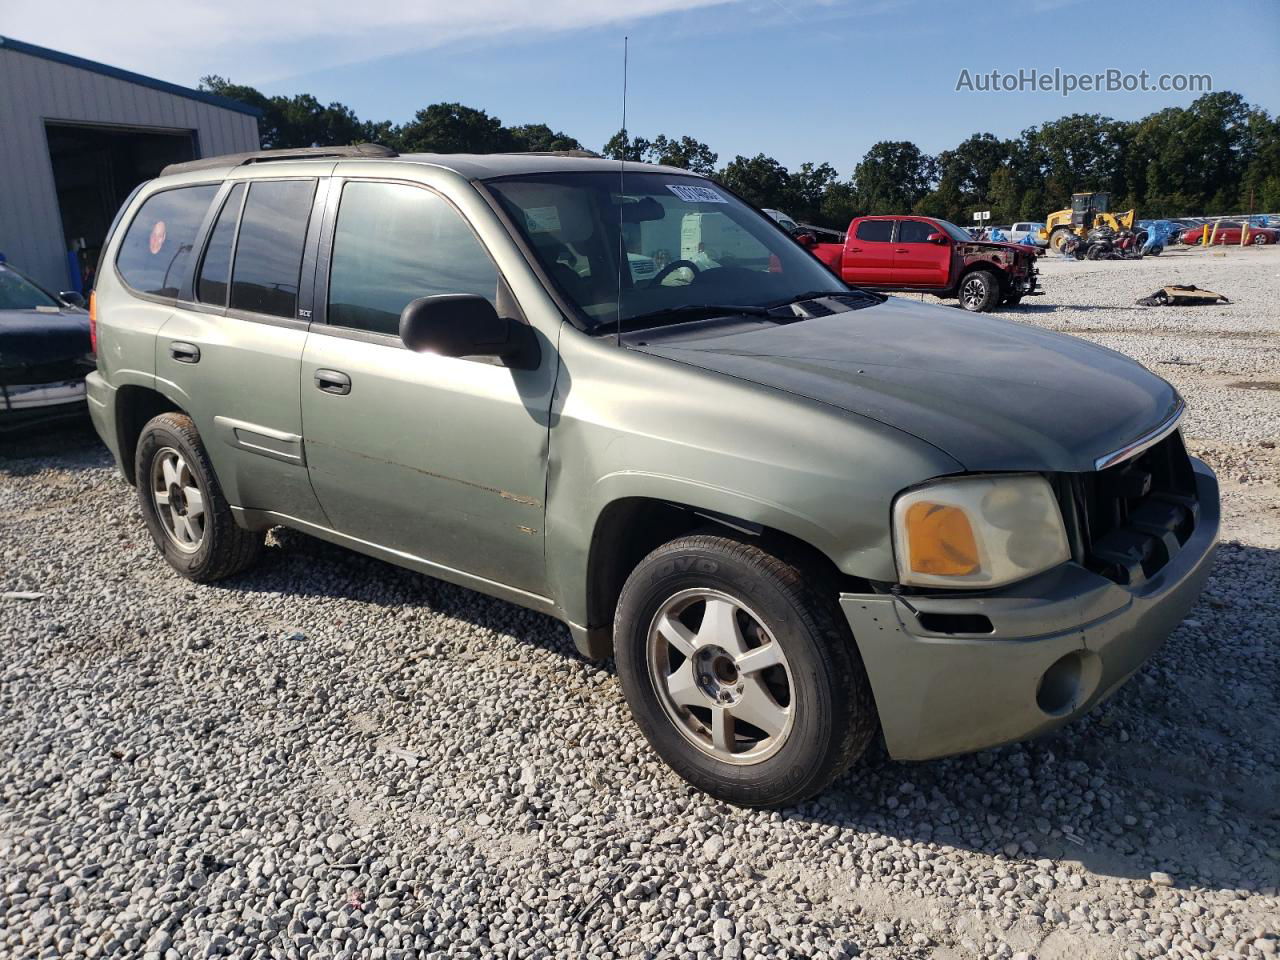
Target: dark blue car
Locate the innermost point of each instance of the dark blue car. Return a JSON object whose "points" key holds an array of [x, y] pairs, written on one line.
{"points": [[45, 352]]}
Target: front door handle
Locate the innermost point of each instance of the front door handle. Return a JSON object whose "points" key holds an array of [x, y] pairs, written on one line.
{"points": [[184, 352], [333, 381], [901, 251], [855, 249]]}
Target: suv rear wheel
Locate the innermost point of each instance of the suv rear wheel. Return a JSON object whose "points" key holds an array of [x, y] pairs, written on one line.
{"points": [[183, 506], [741, 675]]}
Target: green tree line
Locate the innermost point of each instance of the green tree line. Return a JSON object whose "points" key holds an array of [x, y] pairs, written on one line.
{"points": [[1218, 155]]}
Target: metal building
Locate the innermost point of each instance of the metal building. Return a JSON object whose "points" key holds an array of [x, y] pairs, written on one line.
{"points": [[76, 137]]}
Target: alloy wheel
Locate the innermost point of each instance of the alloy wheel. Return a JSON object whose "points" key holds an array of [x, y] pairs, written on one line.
{"points": [[721, 676], [178, 499], [972, 292]]}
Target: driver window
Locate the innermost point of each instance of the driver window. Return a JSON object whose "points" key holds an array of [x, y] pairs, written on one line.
{"points": [[914, 231], [394, 243]]}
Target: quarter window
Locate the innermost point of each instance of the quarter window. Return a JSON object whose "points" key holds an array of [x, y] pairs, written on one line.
{"points": [[273, 232], [155, 254], [914, 231], [875, 231], [394, 243], [215, 272]]}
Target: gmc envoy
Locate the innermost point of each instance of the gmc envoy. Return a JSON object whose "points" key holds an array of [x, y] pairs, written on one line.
{"points": [[799, 515]]}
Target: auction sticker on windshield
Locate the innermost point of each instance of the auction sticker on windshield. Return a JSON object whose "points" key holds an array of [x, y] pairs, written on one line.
{"points": [[543, 219], [691, 194]]}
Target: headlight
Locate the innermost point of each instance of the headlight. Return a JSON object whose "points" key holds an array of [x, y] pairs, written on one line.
{"points": [[977, 531]]}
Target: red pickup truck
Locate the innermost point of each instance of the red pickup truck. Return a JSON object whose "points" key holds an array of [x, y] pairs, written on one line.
{"points": [[933, 256]]}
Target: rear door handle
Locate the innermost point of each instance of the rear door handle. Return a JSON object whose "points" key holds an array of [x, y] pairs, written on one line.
{"points": [[333, 381], [184, 352], [855, 249], [900, 250]]}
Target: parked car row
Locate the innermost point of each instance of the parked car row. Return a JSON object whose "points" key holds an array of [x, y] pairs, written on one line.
{"points": [[1230, 232]]}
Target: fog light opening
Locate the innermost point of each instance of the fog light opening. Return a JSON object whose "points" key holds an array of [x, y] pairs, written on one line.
{"points": [[1059, 689]]}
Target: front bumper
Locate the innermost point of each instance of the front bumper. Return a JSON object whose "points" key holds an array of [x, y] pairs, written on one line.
{"points": [[1061, 643], [1025, 285], [27, 404]]}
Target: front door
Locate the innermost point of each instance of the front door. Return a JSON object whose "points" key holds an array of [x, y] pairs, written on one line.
{"points": [[917, 262], [868, 260], [440, 458]]}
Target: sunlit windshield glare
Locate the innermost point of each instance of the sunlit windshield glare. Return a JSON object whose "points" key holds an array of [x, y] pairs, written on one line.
{"points": [[686, 242], [18, 293]]}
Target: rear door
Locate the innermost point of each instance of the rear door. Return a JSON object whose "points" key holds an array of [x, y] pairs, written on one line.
{"points": [[916, 261], [232, 351], [868, 259]]}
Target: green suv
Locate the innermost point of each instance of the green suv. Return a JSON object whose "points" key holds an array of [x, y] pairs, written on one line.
{"points": [[799, 515]]}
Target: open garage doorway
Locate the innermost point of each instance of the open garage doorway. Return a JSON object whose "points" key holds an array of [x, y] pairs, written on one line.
{"points": [[94, 169]]}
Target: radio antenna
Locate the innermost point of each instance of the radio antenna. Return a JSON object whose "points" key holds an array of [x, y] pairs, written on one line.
{"points": [[622, 184]]}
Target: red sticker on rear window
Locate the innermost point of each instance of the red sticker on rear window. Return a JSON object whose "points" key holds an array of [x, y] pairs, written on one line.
{"points": [[157, 237]]}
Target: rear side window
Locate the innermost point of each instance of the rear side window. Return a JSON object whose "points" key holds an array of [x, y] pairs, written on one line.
{"points": [[268, 261], [394, 243], [156, 252], [215, 271], [875, 231], [914, 231]]}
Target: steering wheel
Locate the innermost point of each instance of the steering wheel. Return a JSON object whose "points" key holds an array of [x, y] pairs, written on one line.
{"points": [[670, 267]]}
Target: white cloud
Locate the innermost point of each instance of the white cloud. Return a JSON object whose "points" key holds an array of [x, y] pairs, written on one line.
{"points": [[257, 40]]}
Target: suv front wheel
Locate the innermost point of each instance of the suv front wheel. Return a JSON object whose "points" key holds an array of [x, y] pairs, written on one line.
{"points": [[740, 673], [188, 517]]}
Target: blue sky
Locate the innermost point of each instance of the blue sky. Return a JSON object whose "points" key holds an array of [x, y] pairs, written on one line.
{"points": [[797, 79]]}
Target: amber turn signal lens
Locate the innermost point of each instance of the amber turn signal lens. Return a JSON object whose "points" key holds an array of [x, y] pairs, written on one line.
{"points": [[940, 540]]}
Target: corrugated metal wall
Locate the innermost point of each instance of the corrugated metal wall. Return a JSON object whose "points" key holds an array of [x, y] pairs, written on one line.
{"points": [[33, 90]]}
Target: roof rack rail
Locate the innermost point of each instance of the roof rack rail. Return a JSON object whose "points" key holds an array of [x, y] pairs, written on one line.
{"points": [[356, 151], [556, 153]]}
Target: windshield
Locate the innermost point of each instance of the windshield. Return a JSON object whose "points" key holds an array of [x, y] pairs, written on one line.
{"points": [[686, 243], [19, 293], [956, 233]]}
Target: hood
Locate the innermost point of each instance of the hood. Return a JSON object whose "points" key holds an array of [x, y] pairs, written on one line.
{"points": [[45, 346], [975, 246], [992, 394]]}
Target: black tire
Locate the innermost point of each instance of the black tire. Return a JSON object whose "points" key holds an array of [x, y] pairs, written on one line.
{"points": [[1058, 237], [833, 714], [979, 291], [224, 548], [1155, 251], [1094, 252]]}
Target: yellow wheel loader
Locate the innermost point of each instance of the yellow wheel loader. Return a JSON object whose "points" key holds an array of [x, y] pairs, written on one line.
{"points": [[1088, 210]]}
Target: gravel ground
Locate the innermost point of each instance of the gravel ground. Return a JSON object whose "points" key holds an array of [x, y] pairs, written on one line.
{"points": [[332, 757]]}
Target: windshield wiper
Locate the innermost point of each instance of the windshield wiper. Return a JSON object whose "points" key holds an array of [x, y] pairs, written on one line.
{"points": [[818, 294], [709, 309]]}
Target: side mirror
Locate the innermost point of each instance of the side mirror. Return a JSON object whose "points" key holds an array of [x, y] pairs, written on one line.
{"points": [[467, 325], [72, 299], [938, 238]]}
